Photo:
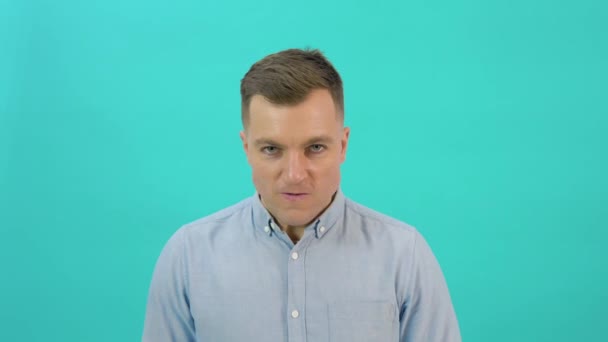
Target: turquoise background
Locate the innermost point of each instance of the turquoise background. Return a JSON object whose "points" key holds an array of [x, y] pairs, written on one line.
{"points": [[482, 123]]}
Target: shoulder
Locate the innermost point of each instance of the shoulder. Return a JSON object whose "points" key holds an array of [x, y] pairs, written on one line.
{"points": [[234, 211], [380, 223], [220, 221], [405, 241]]}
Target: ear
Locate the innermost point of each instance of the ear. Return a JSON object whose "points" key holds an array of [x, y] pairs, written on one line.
{"points": [[344, 143], [243, 136], [244, 140]]}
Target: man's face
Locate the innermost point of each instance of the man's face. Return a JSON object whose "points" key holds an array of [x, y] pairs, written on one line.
{"points": [[295, 153]]}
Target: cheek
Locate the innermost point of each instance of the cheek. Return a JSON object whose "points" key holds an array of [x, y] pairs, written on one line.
{"points": [[262, 171], [328, 172]]}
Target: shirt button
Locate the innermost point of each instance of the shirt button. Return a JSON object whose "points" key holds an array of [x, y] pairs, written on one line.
{"points": [[294, 255], [295, 314], [322, 229], [267, 229]]}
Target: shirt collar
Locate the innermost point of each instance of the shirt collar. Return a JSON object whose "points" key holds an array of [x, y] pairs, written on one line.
{"points": [[263, 221]]}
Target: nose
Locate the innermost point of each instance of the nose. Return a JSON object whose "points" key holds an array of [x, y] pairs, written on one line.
{"points": [[296, 168]]}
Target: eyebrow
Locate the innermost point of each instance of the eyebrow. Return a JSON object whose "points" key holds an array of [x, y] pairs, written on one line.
{"points": [[320, 139]]}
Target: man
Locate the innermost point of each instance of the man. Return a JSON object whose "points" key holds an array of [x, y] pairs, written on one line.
{"points": [[298, 261]]}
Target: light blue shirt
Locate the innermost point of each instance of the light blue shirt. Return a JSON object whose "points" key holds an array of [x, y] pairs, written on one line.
{"points": [[356, 275]]}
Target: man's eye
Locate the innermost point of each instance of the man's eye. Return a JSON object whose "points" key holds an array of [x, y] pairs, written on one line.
{"points": [[316, 148], [270, 149]]}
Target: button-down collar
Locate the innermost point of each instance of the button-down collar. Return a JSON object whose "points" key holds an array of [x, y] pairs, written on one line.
{"points": [[263, 220]]}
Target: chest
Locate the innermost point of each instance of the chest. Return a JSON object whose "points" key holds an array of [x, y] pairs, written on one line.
{"points": [[266, 291]]}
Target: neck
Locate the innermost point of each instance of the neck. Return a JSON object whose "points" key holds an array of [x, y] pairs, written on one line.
{"points": [[294, 233]]}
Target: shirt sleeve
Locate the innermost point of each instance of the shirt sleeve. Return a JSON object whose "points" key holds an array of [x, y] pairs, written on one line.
{"points": [[427, 313], [168, 315]]}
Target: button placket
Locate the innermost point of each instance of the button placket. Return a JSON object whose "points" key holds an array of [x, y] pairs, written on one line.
{"points": [[296, 291]]}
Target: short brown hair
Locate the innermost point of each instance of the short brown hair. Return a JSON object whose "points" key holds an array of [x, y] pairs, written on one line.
{"points": [[287, 78]]}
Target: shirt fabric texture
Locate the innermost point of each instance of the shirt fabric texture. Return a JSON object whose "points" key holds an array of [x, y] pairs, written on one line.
{"points": [[355, 276]]}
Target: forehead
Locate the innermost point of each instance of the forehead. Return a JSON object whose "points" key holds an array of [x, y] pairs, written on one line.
{"points": [[316, 115]]}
